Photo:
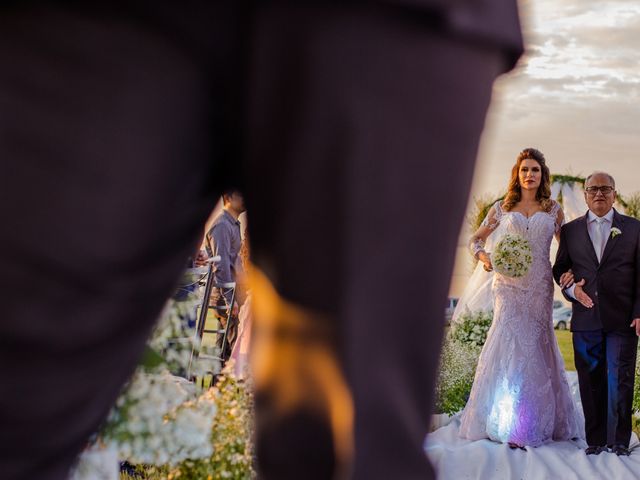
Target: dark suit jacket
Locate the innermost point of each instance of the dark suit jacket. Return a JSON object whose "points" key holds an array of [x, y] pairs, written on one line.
{"points": [[613, 284]]}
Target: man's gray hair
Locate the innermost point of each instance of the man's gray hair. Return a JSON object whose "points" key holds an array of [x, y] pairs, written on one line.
{"points": [[611, 179]]}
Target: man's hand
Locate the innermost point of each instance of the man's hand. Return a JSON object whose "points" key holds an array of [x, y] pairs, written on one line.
{"points": [[201, 259], [636, 323], [582, 297], [566, 279]]}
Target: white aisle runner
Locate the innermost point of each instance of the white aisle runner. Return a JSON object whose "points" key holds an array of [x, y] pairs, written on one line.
{"points": [[455, 458]]}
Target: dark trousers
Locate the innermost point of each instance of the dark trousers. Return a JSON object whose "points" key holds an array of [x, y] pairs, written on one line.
{"points": [[382, 125], [606, 363], [225, 316], [357, 131]]}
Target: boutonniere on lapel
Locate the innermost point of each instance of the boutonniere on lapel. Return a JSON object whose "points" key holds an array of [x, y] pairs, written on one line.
{"points": [[615, 231]]}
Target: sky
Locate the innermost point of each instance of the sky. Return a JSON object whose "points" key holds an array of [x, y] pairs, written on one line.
{"points": [[574, 95]]}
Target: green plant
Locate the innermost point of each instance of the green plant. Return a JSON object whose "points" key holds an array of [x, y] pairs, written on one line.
{"points": [[636, 388], [231, 437], [160, 418], [632, 207], [472, 328], [567, 179], [481, 207], [457, 369]]}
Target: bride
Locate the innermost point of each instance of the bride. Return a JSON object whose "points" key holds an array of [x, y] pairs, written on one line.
{"points": [[520, 394]]}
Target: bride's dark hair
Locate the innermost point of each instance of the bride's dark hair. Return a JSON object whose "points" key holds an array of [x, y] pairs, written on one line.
{"points": [[514, 193]]}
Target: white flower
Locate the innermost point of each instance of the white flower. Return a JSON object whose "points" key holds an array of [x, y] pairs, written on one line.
{"points": [[512, 256], [161, 419], [615, 231]]}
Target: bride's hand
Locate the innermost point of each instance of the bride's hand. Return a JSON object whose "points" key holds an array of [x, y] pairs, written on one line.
{"points": [[566, 279], [581, 296], [486, 260]]}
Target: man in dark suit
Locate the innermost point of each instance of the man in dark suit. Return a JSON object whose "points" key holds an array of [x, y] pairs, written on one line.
{"points": [[121, 124], [602, 249]]}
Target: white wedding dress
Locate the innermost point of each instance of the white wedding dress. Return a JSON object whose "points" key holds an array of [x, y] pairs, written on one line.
{"points": [[520, 393]]}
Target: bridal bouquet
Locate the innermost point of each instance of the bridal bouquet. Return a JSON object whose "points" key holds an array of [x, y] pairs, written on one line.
{"points": [[512, 256]]}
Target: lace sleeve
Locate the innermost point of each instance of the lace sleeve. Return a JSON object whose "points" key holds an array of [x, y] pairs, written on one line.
{"points": [[556, 211], [476, 245], [492, 220]]}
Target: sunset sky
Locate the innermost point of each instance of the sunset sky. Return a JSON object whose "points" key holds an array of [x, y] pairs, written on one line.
{"points": [[575, 95]]}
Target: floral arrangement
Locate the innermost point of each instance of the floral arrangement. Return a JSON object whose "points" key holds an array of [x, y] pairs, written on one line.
{"points": [[232, 456], [472, 328], [164, 426], [160, 418], [231, 437], [457, 369], [459, 359], [512, 256]]}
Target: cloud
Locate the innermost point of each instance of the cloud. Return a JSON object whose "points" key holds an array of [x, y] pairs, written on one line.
{"points": [[581, 38], [574, 94]]}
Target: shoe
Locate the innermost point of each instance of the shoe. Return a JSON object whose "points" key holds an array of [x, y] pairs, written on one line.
{"points": [[594, 450], [621, 450], [513, 446]]}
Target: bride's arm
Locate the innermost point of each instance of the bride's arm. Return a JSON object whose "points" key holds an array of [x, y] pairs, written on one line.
{"points": [[477, 240]]}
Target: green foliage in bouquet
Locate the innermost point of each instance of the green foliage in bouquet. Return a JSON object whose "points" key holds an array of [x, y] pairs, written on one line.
{"points": [[472, 328], [512, 256]]}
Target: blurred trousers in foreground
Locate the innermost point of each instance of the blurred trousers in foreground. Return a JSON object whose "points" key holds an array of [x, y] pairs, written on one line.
{"points": [[353, 132]]}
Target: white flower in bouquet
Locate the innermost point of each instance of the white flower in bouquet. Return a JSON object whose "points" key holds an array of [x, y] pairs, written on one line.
{"points": [[512, 256]]}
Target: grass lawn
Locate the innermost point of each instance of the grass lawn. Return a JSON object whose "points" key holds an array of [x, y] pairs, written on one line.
{"points": [[209, 339], [566, 348]]}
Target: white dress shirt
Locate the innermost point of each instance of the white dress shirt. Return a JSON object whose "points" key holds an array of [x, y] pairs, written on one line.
{"points": [[592, 225]]}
